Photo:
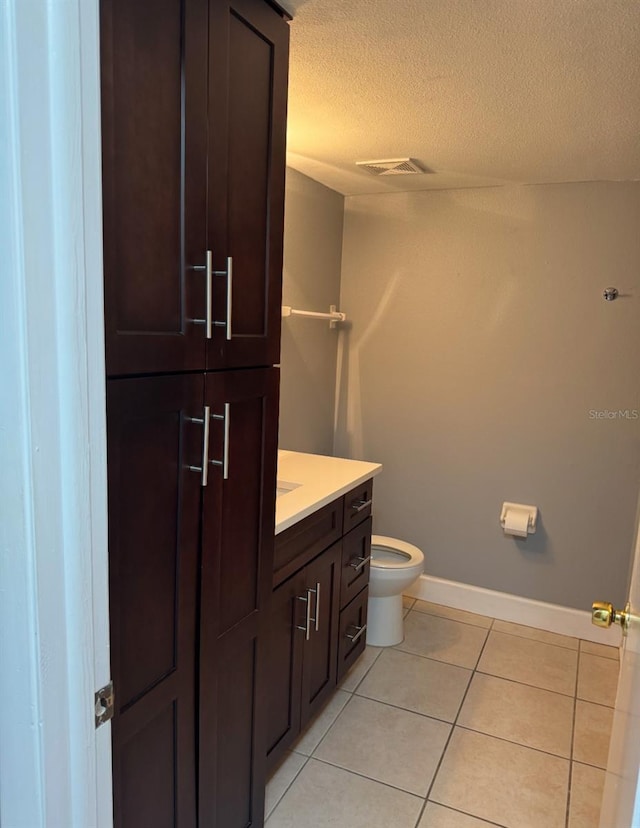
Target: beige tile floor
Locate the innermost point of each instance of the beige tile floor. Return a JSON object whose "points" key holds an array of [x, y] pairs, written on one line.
{"points": [[469, 723]]}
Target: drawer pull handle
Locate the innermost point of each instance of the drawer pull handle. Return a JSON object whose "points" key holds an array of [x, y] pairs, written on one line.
{"points": [[226, 425], [361, 505], [307, 620], [204, 468], [356, 636], [208, 268], [358, 563], [316, 592], [228, 273]]}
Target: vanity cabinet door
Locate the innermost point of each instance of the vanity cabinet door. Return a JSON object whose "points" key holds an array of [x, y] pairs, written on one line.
{"points": [[154, 164], [302, 649], [285, 645], [154, 514], [238, 514], [248, 67], [319, 668]]}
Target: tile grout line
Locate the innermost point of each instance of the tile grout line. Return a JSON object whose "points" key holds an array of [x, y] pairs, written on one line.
{"points": [[453, 725], [407, 709], [596, 704], [526, 684], [368, 778], [283, 794], [517, 744], [467, 727], [331, 726], [598, 644], [466, 813], [457, 620], [397, 647], [368, 670], [539, 641], [573, 736]]}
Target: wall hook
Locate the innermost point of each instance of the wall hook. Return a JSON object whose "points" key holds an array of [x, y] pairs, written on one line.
{"points": [[610, 294]]}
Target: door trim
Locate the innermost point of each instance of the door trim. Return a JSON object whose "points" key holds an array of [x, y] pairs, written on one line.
{"points": [[54, 621]]}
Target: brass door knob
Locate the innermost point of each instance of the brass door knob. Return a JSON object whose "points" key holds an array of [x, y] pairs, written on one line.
{"points": [[604, 614]]}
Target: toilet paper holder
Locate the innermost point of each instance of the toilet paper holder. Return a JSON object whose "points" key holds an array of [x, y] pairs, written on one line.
{"points": [[520, 508]]}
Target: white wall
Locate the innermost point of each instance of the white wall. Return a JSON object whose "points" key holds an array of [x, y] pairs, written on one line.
{"points": [[311, 281], [480, 342]]}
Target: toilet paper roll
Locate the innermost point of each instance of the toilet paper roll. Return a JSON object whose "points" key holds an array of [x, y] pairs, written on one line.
{"points": [[516, 522]]}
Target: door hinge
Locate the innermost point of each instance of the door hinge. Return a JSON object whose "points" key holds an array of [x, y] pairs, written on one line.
{"points": [[104, 704]]}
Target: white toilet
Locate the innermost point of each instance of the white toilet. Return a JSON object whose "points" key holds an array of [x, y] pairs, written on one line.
{"points": [[395, 565]]}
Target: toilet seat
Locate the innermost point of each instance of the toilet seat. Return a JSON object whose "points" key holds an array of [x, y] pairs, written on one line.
{"points": [[399, 554]]}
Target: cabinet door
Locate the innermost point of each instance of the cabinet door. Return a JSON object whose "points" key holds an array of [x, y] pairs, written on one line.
{"points": [[285, 643], [248, 60], [237, 566], [154, 507], [154, 135], [319, 666]]}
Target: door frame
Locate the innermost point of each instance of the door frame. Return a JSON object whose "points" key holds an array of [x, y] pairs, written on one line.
{"points": [[621, 795], [54, 624]]}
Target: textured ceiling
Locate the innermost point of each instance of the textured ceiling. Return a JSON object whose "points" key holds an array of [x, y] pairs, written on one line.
{"points": [[482, 92]]}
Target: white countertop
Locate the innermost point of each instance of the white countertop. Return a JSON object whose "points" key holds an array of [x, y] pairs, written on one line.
{"points": [[306, 482]]}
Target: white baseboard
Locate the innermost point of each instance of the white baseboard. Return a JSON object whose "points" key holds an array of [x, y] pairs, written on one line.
{"points": [[515, 608]]}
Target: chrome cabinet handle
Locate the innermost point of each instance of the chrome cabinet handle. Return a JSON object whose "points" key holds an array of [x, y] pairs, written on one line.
{"points": [[226, 418], [229, 294], [307, 624], [316, 592], [354, 638], [229, 274], [359, 562], [208, 268], [204, 421], [359, 505]]}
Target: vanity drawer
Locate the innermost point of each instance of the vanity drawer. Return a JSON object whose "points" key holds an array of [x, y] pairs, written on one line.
{"points": [[353, 632], [357, 505], [299, 544], [356, 554]]}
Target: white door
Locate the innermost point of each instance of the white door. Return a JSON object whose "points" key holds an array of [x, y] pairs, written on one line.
{"points": [[621, 800]]}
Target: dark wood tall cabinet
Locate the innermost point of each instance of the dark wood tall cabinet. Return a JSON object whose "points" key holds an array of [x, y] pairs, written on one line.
{"points": [[194, 96], [193, 130], [190, 582]]}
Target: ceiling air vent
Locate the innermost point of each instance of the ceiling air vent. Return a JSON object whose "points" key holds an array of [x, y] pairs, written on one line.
{"points": [[392, 166]]}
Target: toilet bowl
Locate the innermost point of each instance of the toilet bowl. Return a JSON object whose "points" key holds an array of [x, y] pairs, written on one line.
{"points": [[395, 565]]}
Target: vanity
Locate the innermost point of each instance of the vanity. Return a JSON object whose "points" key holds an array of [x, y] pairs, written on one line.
{"points": [[317, 624]]}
